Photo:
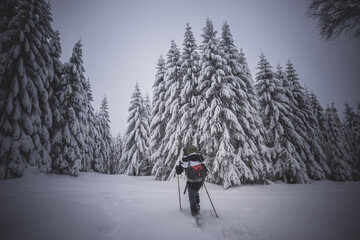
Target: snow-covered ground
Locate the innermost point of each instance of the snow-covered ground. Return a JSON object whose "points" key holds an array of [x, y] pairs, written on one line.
{"points": [[96, 206]]}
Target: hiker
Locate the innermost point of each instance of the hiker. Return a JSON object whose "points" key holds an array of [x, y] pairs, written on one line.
{"points": [[196, 173]]}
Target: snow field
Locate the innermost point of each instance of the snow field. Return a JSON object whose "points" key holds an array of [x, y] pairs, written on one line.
{"points": [[97, 206]]}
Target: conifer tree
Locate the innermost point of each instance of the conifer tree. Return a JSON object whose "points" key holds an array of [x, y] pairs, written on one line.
{"points": [[250, 148], [147, 103], [319, 114], [135, 160], [352, 133], [105, 137], [57, 85], [56, 78], [90, 138], [307, 126], [281, 135], [116, 153], [158, 124], [338, 148], [25, 83], [147, 116], [99, 164], [170, 148], [210, 77], [317, 110], [69, 138], [190, 71]]}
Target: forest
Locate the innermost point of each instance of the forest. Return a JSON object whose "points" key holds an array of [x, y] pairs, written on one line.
{"points": [[250, 129]]}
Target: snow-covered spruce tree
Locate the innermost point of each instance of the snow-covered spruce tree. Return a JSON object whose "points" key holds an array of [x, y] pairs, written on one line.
{"points": [[57, 85], [319, 113], [147, 116], [188, 95], [116, 153], [210, 125], [84, 115], [25, 83], [157, 125], [90, 139], [307, 127], [104, 137], [147, 104], [69, 138], [135, 159], [338, 148], [170, 148], [218, 127], [56, 81], [281, 136], [317, 110], [352, 131], [98, 164], [252, 156]]}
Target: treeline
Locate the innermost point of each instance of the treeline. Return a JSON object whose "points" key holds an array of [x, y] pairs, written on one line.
{"points": [[248, 131], [47, 121]]}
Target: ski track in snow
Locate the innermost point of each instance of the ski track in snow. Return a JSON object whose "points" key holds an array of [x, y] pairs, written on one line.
{"points": [[97, 206]]}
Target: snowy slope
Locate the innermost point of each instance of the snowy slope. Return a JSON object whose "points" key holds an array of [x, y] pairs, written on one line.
{"points": [[96, 206]]}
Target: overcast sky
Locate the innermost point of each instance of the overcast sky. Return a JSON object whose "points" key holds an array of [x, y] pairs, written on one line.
{"points": [[124, 39]]}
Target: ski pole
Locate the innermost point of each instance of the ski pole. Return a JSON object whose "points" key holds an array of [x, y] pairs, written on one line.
{"points": [[179, 191], [211, 201], [186, 187]]}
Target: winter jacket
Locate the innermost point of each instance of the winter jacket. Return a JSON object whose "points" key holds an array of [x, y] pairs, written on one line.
{"points": [[190, 160]]}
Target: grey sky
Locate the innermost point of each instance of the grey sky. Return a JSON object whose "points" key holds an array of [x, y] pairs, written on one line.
{"points": [[124, 39]]}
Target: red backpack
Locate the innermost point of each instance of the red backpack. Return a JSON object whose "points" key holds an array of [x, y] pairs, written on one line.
{"points": [[197, 172]]}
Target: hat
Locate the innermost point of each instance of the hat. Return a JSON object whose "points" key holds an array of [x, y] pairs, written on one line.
{"points": [[191, 149]]}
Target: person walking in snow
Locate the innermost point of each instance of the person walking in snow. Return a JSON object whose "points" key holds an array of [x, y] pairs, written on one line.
{"points": [[196, 172]]}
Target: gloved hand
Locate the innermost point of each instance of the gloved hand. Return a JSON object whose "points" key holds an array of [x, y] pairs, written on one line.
{"points": [[179, 169]]}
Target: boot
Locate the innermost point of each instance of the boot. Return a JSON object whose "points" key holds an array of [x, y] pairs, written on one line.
{"points": [[194, 211]]}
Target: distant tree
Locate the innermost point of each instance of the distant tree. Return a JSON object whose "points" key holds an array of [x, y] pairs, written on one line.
{"points": [[98, 164], [147, 105], [116, 153], [103, 118], [147, 118], [135, 159], [319, 114], [336, 17], [352, 131], [338, 149]]}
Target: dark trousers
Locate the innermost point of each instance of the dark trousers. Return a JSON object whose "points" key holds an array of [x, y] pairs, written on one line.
{"points": [[192, 195], [193, 189]]}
